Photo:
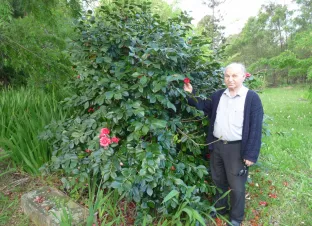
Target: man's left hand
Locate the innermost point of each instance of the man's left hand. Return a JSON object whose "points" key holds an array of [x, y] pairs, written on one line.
{"points": [[248, 163]]}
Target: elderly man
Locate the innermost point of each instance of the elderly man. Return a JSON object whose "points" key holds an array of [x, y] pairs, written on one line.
{"points": [[236, 115]]}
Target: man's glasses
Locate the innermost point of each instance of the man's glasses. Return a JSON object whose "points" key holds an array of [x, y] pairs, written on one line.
{"points": [[243, 171]]}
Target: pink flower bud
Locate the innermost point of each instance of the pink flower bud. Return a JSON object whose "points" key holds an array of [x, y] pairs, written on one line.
{"points": [[88, 151], [115, 140]]}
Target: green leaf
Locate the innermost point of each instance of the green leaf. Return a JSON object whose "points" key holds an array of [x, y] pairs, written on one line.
{"points": [[77, 134], [99, 60], [116, 184], [118, 96], [156, 66], [143, 80], [172, 194], [179, 182], [175, 77], [109, 95], [138, 126], [145, 130], [107, 59], [157, 87], [152, 98], [223, 196], [170, 105], [136, 104], [136, 74], [189, 212], [198, 217], [158, 124], [149, 191], [151, 203], [174, 58], [86, 105]]}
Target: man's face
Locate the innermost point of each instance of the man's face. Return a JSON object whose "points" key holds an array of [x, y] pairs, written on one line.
{"points": [[234, 78]]}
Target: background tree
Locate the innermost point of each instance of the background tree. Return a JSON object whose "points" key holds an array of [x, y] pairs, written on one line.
{"points": [[33, 35], [303, 20], [275, 43], [211, 23], [212, 29]]}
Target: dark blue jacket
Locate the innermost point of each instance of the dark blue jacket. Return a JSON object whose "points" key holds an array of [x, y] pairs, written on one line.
{"points": [[252, 125]]}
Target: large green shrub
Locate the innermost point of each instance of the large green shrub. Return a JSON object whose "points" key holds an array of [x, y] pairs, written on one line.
{"points": [[130, 69]]}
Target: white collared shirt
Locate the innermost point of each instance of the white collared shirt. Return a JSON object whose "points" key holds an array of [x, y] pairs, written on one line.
{"points": [[230, 115]]}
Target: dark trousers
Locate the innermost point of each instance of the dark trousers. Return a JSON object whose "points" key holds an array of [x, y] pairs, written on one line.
{"points": [[225, 163]]}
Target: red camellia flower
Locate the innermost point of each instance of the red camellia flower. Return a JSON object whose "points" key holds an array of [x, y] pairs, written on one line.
{"points": [[208, 156], [186, 80], [105, 141], [248, 75], [115, 140], [88, 150], [78, 76], [91, 110], [104, 132]]}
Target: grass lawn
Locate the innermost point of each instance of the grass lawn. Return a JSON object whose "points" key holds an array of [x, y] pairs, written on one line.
{"points": [[279, 190]]}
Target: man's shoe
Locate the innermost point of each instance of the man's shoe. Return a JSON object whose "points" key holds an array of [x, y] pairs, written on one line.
{"points": [[233, 223]]}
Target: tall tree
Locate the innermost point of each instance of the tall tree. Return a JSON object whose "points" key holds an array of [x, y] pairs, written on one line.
{"points": [[215, 30], [304, 18], [278, 22], [253, 43], [212, 30]]}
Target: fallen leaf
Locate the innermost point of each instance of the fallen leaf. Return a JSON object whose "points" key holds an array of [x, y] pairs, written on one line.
{"points": [[263, 203], [219, 222], [272, 187], [273, 195], [39, 199], [247, 196]]}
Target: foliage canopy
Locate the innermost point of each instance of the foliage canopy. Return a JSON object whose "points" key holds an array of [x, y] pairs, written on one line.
{"points": [[130, 69]]}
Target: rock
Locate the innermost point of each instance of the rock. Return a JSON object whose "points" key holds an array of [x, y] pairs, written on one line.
{"points": [[48, 206]]}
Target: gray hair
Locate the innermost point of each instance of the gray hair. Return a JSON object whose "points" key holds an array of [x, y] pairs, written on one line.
{"points": [[236, 65]]}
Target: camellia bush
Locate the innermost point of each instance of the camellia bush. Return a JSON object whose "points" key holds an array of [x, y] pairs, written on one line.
{"points": [[131, 126]]}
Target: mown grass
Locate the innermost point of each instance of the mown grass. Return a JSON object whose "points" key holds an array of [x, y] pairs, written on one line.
{"points": [[281, 183]]}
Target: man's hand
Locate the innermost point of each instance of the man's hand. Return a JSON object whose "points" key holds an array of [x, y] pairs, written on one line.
{"points": [[248, 163], [188, 87]]}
